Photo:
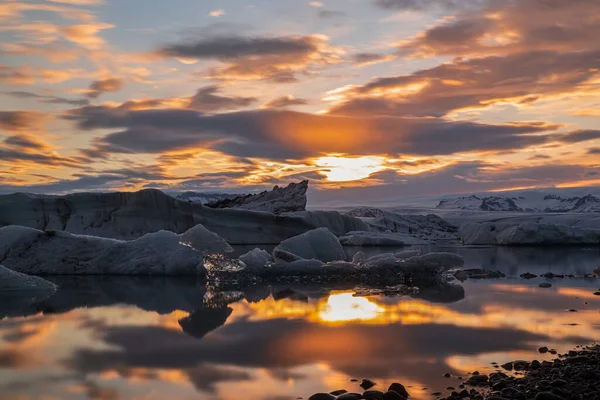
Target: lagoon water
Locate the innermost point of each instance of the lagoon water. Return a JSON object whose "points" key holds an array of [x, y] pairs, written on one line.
{"points": [[155, 338]]}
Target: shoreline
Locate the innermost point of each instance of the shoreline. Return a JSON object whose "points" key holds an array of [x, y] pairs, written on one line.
{"points": [[574, 375]]}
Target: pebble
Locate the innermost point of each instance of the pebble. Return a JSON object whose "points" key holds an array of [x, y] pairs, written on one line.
{"points": [[399, 388], [350, 396], [322, 396], [545, 285], [528, 275], [338, 392], [543, 349], [373, 395], [391, 395], [367, 384]]}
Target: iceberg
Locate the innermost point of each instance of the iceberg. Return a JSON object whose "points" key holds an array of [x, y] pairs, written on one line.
{"points": [[18, 292], [279, 200], [318, 244], [256, 258], [36, 252], [128, 216], [526, 233]]}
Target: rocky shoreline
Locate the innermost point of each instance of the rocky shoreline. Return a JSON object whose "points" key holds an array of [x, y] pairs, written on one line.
{"points": [[571, 376]]}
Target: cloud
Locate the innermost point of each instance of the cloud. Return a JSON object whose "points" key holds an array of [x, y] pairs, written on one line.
{"points": [[467, 83], [207, 100], [276, 58], [423, 4], [26, 142], [216, 13], [284, 101], [326, 14], [47, 99], [292, 135], [365, 59], [80, 2], [594, 150], [103, 86], [19, 121], [86, 35], [512, 26]]}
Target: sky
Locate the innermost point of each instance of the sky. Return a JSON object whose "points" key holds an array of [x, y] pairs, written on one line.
{"points": [[365, 98]]}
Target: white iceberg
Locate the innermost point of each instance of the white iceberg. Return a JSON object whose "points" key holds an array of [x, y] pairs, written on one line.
{"points": [[37, 252], [319, 244], [526, 233]]}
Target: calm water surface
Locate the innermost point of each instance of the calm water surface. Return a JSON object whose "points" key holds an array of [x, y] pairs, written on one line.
{"points": [[130, 338]]}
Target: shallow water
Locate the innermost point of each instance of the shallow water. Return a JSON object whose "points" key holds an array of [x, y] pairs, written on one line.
{"points": [[153, 338]]}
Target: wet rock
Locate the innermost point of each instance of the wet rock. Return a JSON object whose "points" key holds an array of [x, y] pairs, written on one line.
{"points": [[476, 380], [367, 384], [545, 285], [391, 395], [350, 396], [547, 396], [535, 364], [322, 396], [508, 366], [550, 275], [512, 393], [597, 293], [373, 395], [543, 349], [399, 388], [528, 275], [476, 273], [461, 275], [338, 392]]}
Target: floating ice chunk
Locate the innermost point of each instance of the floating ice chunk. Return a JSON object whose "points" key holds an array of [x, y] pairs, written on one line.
{"points": [[12, 282], [36, 252], [364, 239], [206, 242], [19, 292], [256, 258], [319, 244], [407, 254]]}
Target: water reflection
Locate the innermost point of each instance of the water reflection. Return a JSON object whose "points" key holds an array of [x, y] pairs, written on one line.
{"points": [[122, 338]]}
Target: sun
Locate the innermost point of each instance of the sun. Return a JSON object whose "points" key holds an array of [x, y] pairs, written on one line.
{"points": [[343, 169]]}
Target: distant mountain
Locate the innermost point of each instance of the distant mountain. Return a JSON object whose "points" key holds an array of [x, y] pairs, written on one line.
{"points": [[205, 197], [533, 202]]}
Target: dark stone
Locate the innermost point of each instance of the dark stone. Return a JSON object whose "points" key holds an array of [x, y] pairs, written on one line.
{"points": [[350, 396], [338, 392], [597, 293], [543, 349], [528, 275], [367, 384], [322, 396], [547, 396], [512, 393], [535, 364], [391, 395], [447, 375], [545, 285], [399, 388], [477, 380], [559, 382], [373, 395], [508, 366]]}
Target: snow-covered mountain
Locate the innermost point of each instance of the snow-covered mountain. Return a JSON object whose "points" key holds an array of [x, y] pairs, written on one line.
{"points": [[205, 197], [531, 202]]}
